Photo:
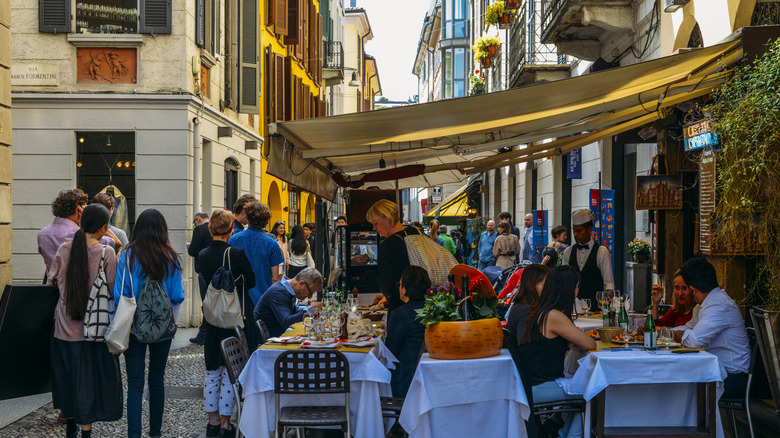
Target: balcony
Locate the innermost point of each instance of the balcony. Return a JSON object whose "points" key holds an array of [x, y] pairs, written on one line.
{"points": [[332, 62], [577, 27], [530, 61]]}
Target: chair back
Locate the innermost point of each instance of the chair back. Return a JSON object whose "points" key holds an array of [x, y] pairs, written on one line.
{"points": [[311, 372], [242, 337], [263, 330], [235, 357]]}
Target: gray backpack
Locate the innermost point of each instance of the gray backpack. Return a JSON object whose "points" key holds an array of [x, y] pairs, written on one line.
{"points": [[154, 320]]}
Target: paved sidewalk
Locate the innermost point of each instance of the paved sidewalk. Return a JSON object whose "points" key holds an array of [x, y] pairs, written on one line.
{"points": [[34, 416]]}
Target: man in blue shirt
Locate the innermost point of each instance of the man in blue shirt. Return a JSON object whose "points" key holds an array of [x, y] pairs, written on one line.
{"points": [[278, 307], [528, 238], [485, 248]]}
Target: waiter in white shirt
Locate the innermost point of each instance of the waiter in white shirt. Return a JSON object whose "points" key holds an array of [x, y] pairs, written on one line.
{"points": [[721, 327], [592, 261]]}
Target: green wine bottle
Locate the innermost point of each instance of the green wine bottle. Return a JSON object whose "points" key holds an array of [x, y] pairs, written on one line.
{"points": [[650, 333], [623, 316]]}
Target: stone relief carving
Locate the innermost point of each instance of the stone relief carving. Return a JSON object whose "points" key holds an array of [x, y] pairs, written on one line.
{"points": [[112, 65]]}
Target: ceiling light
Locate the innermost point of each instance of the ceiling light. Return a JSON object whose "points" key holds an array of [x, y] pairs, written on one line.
{"points": [[354, 82], [108, 142], [382, 163], [673, 5]]}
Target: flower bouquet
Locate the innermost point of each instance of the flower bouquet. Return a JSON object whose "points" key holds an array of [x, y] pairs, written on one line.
{"points": [[639, 250]]}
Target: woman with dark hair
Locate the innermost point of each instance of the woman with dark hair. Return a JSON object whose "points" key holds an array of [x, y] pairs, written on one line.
{"points": [[506, 246], [261, 249], [549, 332], [149, 257], [86, 383], [217, 392], [405, 334], [525, 297], [299, 251], [278, 233]]}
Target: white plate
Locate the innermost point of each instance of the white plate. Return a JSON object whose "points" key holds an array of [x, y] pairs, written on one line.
{"points": [[320, 345], [287, 339]]}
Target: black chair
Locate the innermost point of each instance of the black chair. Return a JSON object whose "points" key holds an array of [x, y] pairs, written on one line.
{"points": [[743, 403], [391, 406], [510, 343], [302, 372], [263, 330], [235, 357], [242, 337]]}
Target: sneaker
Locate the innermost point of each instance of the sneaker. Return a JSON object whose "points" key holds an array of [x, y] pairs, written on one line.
{"points": [[228, 433], [212, 430], [196, 341]]}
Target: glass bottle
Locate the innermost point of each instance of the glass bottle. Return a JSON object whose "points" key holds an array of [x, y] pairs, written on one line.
{"points": [[650, 333], [623, 316], [605, 315]]}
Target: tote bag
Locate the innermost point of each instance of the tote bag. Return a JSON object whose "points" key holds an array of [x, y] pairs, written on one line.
{"points": [[221, 306], [100, 306], [429, 255], [118, 333]]}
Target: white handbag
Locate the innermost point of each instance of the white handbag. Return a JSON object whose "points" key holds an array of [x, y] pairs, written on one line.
{"points": [[118, 334], [221, 306]]}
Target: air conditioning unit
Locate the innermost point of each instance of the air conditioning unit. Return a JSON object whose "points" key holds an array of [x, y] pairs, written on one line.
{"points": [[673, 5]]}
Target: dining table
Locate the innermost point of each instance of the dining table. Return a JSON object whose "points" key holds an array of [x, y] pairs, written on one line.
{"points": [[466, 398], [369, 372]]}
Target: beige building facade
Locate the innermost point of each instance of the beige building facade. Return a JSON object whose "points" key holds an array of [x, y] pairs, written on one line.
{"points": [[6, 168]]}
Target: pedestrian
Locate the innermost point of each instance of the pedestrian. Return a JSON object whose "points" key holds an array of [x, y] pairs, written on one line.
{"points": [[448, 243], [107, 201], [592, 261], [465, 245], [263, 251], [455, 236], [506, 216], [217, 391], [560, 235], [300, 252], [308, 230], [239, 215], [485, 246], [149, 257], [86, 381], [433, 231], [278, 232], [201, 239], [506, 247], [528, 237]]}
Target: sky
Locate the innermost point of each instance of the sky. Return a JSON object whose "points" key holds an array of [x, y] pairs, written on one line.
{"points": [[396, 25]]}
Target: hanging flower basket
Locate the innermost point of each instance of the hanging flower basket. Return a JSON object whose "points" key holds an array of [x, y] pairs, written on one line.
{"points": [[486, 62], [512, 4], [505, 21], [491, 50]]}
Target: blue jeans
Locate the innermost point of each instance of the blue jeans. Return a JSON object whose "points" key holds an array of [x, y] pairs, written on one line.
{"points": [[550, 391], [135, 366], [483, 265]]}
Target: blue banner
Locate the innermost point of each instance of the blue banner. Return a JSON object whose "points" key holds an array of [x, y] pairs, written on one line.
{"points": [[602, 206], [539, 234], [574, 164]]}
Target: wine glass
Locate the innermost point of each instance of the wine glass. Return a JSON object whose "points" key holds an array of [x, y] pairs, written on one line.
{"points": [[308, 322], [626, 335], [666, 336], [352, 303], [335, 324], [585, 305]]}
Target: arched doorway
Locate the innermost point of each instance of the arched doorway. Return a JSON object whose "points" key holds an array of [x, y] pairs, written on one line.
{"points": [[309, 211], [231, 182], [275, 203]]}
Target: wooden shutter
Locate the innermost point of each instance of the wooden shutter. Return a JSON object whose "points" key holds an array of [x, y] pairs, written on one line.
{"points": [[279, 91], [318, 49], [248, 58], [280, 16], [155, 16], [200, 22], [323, 108], [299, 46], [289, 85], [312, 41], [293, 28], [54, 16], [270, 78], [298, 98], [217, 26]]}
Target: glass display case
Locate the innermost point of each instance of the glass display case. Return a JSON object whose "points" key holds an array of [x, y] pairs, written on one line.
{"points": [[107, 16], [357, 248]]}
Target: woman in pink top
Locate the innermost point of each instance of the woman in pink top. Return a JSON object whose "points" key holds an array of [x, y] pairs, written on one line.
{"points": [[86, 383]]}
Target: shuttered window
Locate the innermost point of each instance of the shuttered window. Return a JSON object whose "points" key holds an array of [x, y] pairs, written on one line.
{"points": [[54, 16], [155, 16], [249, 58], [303, 10], [293, 26], [270, 83], [280, 90], [200, 22], [298, 98], [278, 16], [289, 86]]}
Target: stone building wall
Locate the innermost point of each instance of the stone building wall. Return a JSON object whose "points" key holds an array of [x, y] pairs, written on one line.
{"points": [[6, 171]]}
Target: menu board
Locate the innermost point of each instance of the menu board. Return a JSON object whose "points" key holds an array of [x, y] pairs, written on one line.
{"points": [[706, 200]]}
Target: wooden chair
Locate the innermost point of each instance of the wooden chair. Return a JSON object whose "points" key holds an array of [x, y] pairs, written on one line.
{"points": [[304, 372], [743, 403], [235, 357]]}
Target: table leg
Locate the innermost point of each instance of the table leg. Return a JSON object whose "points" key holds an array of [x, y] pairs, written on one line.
{"points": [[600, 413]]}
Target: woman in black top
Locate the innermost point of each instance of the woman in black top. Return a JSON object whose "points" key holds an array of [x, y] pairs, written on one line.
{"points": [[525, 299], [217, 392], [549, 330], [393, 258], [405, 334]]}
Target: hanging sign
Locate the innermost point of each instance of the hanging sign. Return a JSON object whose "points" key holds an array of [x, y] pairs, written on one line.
{"points": [[436, 198], [699, 135], [706, 200], [539, 234], [602, 207], [574, 164]]}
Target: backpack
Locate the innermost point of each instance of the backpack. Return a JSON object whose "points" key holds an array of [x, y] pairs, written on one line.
{"points": [[429, 255], [154, 320], [221, 306], [100, 306]]}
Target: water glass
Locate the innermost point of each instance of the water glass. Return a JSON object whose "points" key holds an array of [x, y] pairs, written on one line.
{"points": [[666, 336], [352, 304], [626, 335], [308, 322], [585, 305]]}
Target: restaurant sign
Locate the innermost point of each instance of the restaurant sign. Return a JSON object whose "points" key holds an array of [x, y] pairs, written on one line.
{"points": [[699, 135]]}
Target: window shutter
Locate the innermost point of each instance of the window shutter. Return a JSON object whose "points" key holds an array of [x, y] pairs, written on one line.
{"points": [[293, 28], [200, 22], [311, 41], [270, 81], [155, 16], [318, 50], [299, 46], [217, 27], [54, 16], [298, 98], [279, 80], [249, 59], [289, 85], [280, 16], [323, 108]]}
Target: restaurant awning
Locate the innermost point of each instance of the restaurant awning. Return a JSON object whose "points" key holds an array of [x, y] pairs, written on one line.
{"points": [[455, 207], [450, 139]]}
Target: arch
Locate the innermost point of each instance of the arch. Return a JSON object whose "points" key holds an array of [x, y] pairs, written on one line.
{"points": [[309, 211], [684, 32], [274, 202]]}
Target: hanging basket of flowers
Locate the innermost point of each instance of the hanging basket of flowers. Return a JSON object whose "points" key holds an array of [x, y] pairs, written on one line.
{"points": [[512, 4], [477, 83], [485, 47], [505, 20], [494, 12]]}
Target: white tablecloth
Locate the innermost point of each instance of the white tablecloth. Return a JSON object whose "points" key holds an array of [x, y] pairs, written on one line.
{"points": [[588, 323], [638, 382], [466, 398], [369, 379]]}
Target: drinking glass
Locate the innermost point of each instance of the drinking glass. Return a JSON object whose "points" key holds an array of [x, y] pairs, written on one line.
{"points": [[666, 336], [335, 324], [626, 335], [585, 305], [352, 304], [308, 322]]}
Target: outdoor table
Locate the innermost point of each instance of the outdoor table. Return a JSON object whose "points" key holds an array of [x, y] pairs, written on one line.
{"points": [[369, 379], [640, 389], [465, 398], [588, 322]]}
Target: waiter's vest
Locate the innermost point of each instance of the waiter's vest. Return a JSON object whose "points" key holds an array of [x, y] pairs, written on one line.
{"points": [[591, 280]]}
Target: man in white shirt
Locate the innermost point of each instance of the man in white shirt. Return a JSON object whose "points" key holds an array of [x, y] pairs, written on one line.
{"points": [[592, 261], [721, 327]]}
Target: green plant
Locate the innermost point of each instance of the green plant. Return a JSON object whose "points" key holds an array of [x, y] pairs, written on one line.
{"points": [[746, 116], [494, 12], [481, 46], [639, 249], [446, 303]]}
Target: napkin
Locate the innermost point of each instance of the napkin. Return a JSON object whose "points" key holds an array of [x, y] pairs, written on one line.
{"points": [[358, 327]]}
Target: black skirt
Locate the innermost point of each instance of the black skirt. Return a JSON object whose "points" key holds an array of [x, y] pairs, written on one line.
{"points": [[212, 345], [86, 381]]}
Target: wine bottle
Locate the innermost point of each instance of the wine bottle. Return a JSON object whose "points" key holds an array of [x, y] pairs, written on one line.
{"points": [[464, 281], [650, 333], [623, 316], [605, 315]]}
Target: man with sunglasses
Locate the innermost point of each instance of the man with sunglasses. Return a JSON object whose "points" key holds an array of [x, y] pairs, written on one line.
{"points": [[278, 307]]}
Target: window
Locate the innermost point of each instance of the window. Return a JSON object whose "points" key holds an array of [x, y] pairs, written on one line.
{"points": [[295, 213], [105, 16], [454, 69], [208, 25], [231, 182], [456, 15]]}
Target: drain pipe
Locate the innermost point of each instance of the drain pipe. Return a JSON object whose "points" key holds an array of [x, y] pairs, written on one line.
{"points": [[195, 307]]}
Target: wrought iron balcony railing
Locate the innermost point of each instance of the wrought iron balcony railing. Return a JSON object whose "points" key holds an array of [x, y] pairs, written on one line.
{"points": [[333, 55]]}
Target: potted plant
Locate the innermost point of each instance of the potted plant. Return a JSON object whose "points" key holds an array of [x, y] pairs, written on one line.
{"points": [[477, 83], [485, 46], [512, 4], [639, 250], [744, 116], [458, 326], [500, 15]]}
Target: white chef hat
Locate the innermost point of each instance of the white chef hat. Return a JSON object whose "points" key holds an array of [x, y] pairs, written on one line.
{"points": [[579, 217]]}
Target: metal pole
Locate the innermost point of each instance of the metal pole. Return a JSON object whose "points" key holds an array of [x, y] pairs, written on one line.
{"points": [[195, 312]]}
